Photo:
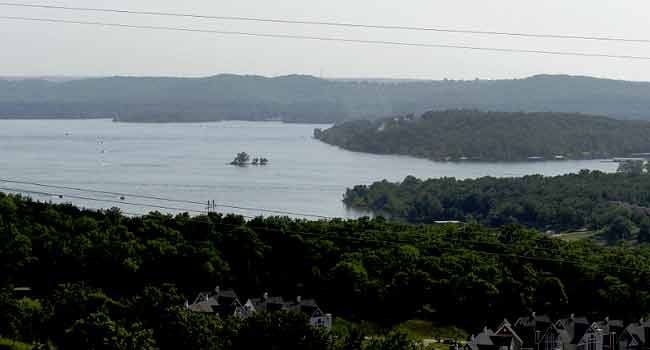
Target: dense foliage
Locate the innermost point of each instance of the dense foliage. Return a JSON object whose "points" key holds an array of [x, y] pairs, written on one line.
{"points": [[309, 99], [101, 280], [589, 199], [490, 136]]}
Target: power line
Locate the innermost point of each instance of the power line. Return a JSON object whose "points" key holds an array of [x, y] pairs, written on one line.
{"points": [[330, 39], [60, 195], [158, 198], [449, 239], [357, 239], [124, 194], [331, 23]]}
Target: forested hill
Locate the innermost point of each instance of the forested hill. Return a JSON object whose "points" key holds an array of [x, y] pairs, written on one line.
{"points": [[492, 136], [101, 280], [618, 205], [309, 99]]}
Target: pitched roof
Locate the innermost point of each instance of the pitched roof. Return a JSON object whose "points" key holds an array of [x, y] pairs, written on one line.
{"points": [[637, 331], [205, 305], [485, 337], [575, 328], [532, 320], [227, 293], [505, 331], [259, 304], [216, 300]]}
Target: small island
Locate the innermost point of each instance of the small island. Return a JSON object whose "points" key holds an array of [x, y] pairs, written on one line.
{"points": [[471, 135], [244, 159]]}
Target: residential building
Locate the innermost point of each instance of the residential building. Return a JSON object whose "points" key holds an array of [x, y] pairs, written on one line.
{"points": [[538, 332], [226, 303], [217, 301], [635, 336], [308, 306], [531, 329]]}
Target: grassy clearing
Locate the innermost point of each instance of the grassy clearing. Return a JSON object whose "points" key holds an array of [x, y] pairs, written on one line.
{"points": [[8, 344], [420, 329]]}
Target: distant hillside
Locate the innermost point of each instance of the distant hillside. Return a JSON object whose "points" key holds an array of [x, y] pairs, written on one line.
{"points": [[309, 99], [493, 136]]}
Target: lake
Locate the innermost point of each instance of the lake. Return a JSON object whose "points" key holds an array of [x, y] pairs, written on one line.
{"points": [[189, 163]]}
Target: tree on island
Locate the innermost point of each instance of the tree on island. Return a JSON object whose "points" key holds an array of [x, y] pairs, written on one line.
{"points": [[241, 159], [260, 161]]}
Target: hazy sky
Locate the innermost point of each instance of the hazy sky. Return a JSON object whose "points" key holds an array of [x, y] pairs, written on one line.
{"points": [[64, 49]]}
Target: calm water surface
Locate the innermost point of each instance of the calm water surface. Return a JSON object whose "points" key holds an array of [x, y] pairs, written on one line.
{"points": [[190, 162]]}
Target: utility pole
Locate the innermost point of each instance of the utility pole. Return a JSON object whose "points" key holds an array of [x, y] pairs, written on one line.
{"points": [[212, 206]]}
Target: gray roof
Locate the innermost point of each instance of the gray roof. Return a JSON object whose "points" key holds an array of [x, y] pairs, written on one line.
{"points": [[228, 293], [204, 306], [575, 328], [275, 300], [532, 320], [261, 304], [308, 302], [307, 305], [637, 331], [607, 323], [213, 301], [485, 337]]}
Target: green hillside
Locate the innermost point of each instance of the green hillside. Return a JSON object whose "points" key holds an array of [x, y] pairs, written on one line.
{"points": [[493, 136]]}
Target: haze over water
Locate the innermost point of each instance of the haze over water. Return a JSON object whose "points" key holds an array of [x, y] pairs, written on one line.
{"points": [[190, 162]]}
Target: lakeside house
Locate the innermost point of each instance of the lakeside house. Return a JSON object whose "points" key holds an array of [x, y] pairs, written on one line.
{"points": [[538, 332], [226, 303]]}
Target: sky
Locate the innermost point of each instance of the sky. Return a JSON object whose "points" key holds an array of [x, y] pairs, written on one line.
{"points": [[38, 49]]}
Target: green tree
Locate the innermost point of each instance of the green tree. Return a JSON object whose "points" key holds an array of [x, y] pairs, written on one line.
{"points": [[282, 330], [15, 251], [98, 332], [620, 228], [644, 231], [241, 159], [10, 322], [183, 329], [395, 340]]}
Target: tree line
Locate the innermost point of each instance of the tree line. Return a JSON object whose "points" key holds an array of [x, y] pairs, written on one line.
{"points": [[296, 98], [102, 280], [617, 203], [458, 135]]}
